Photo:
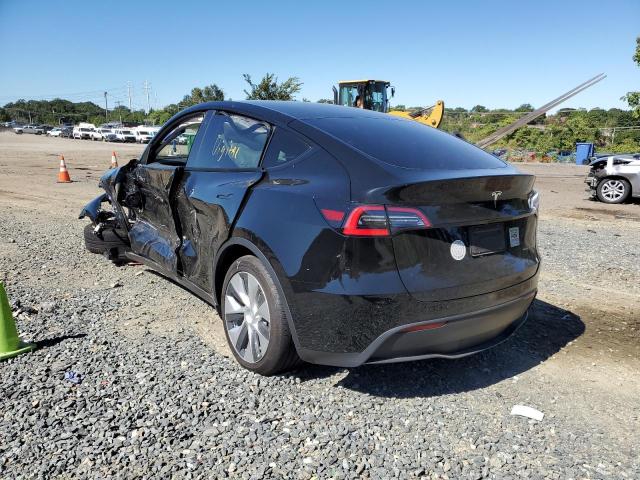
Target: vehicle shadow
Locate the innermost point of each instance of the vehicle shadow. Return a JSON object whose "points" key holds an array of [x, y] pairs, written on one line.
{"points": [[548, 329], [50, 342]]}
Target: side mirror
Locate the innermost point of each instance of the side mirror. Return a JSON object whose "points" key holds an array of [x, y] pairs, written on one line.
{"points": [[393, 91]]}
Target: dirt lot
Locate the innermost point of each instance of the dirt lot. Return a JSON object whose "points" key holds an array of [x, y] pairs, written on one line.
{"points": [[577, 359]]}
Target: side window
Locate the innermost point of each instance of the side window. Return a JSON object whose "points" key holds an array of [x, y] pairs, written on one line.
{"points": [[176, 145], [284, 147], [231, 142]]}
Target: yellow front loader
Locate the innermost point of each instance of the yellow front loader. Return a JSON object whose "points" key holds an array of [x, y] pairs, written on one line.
{"points": [[374, 95]]}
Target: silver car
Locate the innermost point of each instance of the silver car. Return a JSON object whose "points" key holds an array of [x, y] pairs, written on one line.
{"points": [[614, 178]]}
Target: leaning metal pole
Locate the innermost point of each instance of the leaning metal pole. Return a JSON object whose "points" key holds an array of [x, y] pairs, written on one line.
{"points": [[497, 135]]}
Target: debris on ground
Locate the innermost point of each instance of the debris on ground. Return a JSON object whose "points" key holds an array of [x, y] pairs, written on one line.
{"points": [[73, 377], [48, 307], [529, 412]]}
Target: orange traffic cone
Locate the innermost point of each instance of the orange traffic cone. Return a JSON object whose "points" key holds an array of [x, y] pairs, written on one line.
{"points": [[114, 160], [63, 174]]}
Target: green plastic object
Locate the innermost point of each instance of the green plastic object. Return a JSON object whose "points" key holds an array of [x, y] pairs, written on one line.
{"points": [[10, 343]]}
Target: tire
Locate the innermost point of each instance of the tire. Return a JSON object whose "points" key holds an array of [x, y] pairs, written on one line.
{"points": [[279, 354], [112, 242], [613, 190]]}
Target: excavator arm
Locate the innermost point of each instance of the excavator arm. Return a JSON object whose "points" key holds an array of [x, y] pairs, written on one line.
{"points": [[431, 116]]}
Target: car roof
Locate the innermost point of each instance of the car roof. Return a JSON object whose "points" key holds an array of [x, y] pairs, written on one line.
{"points": [[274, 110]]}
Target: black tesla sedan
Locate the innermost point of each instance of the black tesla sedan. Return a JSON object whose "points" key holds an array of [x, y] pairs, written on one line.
{"points": [[330, 234]]}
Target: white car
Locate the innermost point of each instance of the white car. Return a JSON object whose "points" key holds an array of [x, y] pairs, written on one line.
{"points": [[103, 134], [143, 136], [82, 133], [124, 135], [55, 132]]}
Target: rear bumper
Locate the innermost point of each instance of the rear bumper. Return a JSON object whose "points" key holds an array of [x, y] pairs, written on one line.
{"points": [[352, 330], [460, 336]]}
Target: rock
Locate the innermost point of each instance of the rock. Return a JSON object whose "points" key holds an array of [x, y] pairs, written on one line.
{"points": [[48, 307]]}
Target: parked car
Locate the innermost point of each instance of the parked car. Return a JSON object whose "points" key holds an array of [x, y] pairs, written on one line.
{"points": [[18, 129], [66, 132], [34, 129], [614, 178], [55, 132], [143, 135], [500, 152], [101, 133], [82, 133], [330, 234], [124, 135]]}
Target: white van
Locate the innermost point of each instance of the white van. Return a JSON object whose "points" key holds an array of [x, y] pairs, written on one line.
{"points": [[143, 134], [83, 130], [124, 135]]}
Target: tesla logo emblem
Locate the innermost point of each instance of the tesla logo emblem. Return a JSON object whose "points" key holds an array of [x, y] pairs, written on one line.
{"points": [[458, 250], [495, 196]]}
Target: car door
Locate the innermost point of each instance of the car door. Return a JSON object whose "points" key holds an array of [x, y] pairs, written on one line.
{"points": [[210, 193], [154, 235]]}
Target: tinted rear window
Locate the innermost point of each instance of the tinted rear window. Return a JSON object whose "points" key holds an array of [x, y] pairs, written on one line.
{"points": [[284, 147], [407, 144]]}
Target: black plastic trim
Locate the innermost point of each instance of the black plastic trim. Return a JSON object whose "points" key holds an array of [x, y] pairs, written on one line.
{"points": [[192, 287], [359, 358]]}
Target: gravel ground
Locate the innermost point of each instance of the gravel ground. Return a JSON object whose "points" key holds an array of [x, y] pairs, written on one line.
{"points": [[160, 396]]}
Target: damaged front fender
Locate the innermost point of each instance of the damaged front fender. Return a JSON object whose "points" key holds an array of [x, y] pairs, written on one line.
{"points": [[94, 208], [112, 182]]}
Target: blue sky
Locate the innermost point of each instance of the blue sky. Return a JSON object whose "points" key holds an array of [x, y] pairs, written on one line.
{"points": [[494, 53]]}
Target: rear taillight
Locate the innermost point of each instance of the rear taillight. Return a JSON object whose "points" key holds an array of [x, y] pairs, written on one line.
{"points": [[401, 218], [376, 220], [367, 220]]}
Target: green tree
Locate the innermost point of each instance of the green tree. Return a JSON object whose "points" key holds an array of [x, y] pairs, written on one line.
{"points": [[525, 107], [325, 100], [270, 89], [479, 109], [210, 93], [633, 98]]}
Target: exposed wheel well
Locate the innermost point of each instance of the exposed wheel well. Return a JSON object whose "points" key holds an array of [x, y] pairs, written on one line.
{"points": [[615, 177], [222, 265]]}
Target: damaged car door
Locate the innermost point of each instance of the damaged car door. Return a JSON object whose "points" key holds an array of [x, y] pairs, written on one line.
{"points": [[154, 234], [219, 174]]}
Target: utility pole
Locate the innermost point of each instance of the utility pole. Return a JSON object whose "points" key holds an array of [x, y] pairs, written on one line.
{"points": [[129, 92], [147, 87], [106, 107], [119, 111]]}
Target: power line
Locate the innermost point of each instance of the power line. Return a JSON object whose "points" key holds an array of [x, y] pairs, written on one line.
{"points": [[85, 94]]}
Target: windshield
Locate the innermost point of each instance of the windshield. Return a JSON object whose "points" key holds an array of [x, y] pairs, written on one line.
{"points": [[374, 95], [126, 132], [406, 143]]}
